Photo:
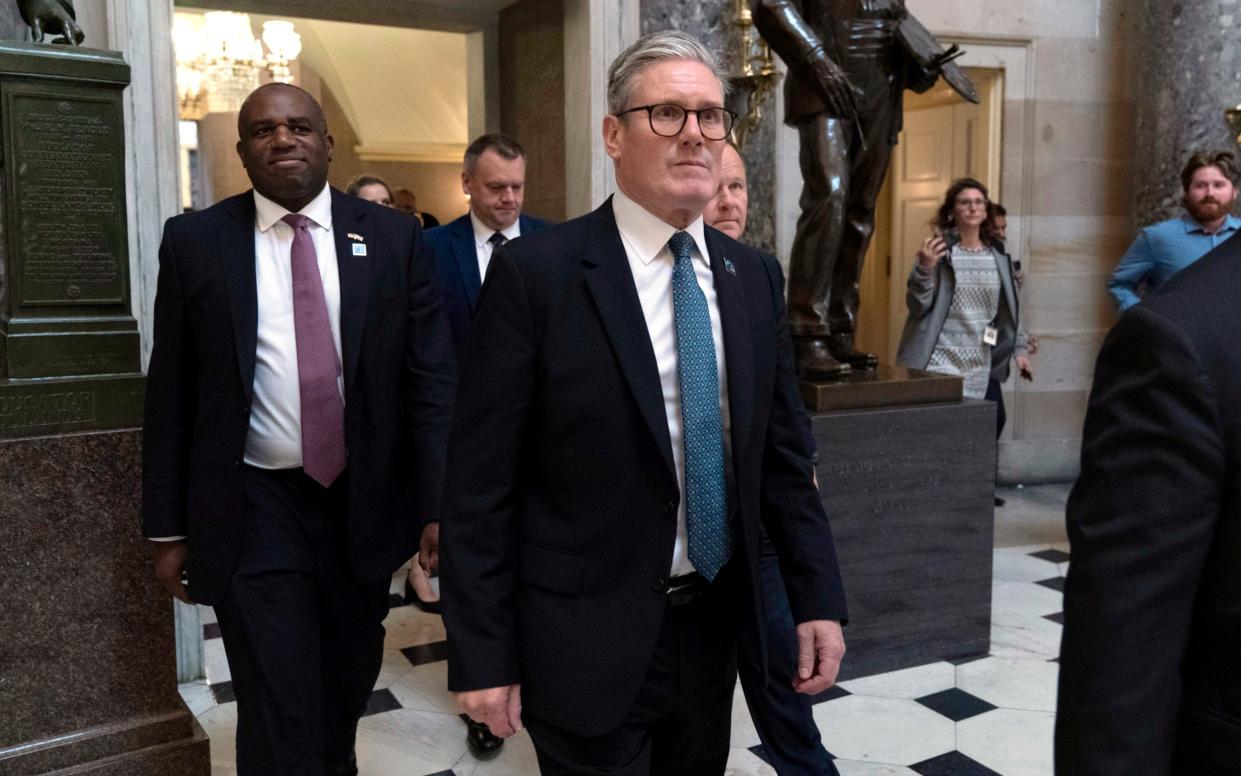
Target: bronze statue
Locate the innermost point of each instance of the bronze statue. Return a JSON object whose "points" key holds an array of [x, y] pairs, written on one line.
{"points": [[51, 17], [849, 62]]}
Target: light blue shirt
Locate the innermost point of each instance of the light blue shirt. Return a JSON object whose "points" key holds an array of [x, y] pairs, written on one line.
{"points": [[1161, 251]]}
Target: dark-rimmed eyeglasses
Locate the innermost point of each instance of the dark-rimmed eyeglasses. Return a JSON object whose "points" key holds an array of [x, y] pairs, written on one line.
{"points": [[668, 119]]}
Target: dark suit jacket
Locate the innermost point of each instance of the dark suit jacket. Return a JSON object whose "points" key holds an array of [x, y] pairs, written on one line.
{"points": [[561, 497], [399, 381], [1151, 660], [456, 268]]}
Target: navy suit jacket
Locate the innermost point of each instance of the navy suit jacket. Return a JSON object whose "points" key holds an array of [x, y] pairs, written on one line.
{"points": [[399, 383], [561, 497], [456, 269]]}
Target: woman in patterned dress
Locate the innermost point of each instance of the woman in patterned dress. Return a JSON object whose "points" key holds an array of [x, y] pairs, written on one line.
{"points": [[963, 308]]}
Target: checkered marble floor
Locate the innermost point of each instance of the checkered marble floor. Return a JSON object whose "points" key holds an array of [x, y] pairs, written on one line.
{"points": [[981, 716]]}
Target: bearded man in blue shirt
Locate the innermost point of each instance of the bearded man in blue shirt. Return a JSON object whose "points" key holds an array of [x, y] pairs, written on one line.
{"points": [[1166, 248]]}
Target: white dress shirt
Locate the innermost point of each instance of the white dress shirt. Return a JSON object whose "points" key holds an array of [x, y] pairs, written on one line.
{"points": [[275, 438], [483, 248], [645, 238]]}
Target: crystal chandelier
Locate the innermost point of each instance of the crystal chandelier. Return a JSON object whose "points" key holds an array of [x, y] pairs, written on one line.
{"points": [[219, 61]]}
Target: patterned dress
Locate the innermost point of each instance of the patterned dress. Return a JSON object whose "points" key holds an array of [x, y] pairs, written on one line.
{"points": [[960, 349]]}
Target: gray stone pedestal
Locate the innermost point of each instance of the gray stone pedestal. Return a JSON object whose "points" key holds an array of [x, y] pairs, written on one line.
{"points": [[910, 493], [87, 665]]}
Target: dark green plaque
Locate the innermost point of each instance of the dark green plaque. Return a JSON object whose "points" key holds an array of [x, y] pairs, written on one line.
{"points": [[69, 348]]}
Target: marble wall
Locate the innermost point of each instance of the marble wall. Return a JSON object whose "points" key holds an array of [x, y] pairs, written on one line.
{"points": [[712, 24], [1183, 87]]}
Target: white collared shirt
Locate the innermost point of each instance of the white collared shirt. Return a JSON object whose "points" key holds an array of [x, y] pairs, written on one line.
{"points": [[482, 246], [275, 438], [645, 238]]}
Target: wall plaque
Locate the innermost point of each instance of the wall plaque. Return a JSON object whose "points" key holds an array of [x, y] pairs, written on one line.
{"points": [[65, 312]]}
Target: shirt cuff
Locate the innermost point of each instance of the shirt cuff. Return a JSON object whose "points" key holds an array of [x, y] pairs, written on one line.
{"points": [[165, 538]]}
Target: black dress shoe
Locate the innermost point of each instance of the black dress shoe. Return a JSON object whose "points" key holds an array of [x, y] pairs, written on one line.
{"points": [[999, 502], [815, 360], [411, 597], [483, 743]]}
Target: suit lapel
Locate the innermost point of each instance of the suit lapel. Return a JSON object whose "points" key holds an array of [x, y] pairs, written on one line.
{"points": [[616, 297], [467, 259], [236, 251], [355, 281], [738, 347]]}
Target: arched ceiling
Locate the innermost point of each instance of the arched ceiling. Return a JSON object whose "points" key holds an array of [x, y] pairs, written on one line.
{"points": [[403, 90]]}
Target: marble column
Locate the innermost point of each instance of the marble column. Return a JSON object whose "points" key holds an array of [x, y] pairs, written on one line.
{"points": [[1190, 72], [712, 24]]}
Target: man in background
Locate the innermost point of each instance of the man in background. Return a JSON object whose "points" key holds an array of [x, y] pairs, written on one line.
{"points": [[783, 717], [1164, 249], [494, 178], [405, 201]]}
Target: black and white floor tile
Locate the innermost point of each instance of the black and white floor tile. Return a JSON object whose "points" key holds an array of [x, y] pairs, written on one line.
{"points": [[983, 716]]}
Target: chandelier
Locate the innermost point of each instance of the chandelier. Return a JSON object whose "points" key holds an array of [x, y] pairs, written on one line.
{"points": [[219, 61]]}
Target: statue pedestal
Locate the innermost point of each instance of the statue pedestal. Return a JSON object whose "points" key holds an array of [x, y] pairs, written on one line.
{"points": [[87, 663], [910, 492], [883, 386]]}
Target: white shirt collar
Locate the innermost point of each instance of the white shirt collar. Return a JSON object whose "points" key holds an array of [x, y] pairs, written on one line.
{"points": [[319, 210], [482, 232], [647, 234]]}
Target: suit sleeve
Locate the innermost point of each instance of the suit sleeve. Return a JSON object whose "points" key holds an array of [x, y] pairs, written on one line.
{"points": [[791, 507], [1137, 263], [1140, 520], [168, 417], [429, 381], [479, 532]]}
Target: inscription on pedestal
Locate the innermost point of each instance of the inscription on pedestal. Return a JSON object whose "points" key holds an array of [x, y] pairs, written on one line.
{"points": [[50, 411], [67, 196]]}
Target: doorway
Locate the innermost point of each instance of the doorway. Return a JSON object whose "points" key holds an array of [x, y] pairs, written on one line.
{"points": [[944, 138]]}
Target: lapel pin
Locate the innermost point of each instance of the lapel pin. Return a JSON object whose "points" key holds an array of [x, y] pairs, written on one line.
{"points": [[359, 249], [355, 236], [729, 268]]}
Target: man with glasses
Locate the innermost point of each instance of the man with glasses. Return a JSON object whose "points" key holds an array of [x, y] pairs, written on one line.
{"points": [[627, 417]]}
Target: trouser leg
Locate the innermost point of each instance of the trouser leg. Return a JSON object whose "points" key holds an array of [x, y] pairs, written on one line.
{"points": [[783, 717]]}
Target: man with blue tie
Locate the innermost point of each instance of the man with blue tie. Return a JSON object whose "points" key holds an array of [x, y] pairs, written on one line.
{"points": [[494, 178], [627, 417]]}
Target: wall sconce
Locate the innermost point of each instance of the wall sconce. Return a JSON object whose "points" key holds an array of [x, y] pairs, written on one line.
{"points": [[1233, 117], [754, 74]]}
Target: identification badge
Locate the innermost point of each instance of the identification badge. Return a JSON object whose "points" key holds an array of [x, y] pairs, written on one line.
{"points": [[989, 337], [359, 250]]}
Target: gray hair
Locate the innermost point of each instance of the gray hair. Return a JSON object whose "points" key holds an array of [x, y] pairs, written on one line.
{"points": [[649, 49]]}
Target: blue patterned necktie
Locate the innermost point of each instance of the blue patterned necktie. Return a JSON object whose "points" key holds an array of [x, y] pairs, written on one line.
{"points": [[702, 430]]}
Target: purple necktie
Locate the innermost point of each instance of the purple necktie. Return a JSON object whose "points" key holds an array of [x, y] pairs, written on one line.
{"points": [[318, 366]]}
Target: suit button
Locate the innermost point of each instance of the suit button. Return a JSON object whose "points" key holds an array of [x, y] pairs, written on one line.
{"points": [[237, 463], [670, 507], [659, 584]]}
